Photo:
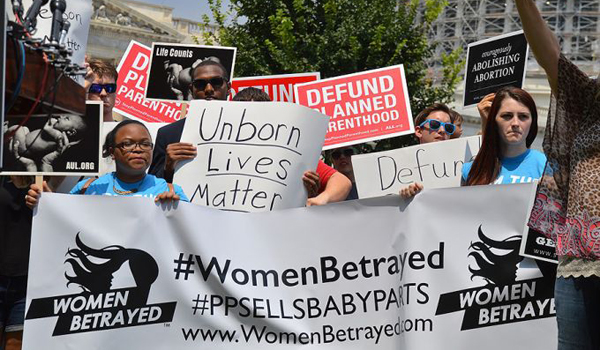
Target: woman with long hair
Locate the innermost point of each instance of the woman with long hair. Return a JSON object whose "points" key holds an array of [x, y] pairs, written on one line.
{"points": [[567, 206], [505, 156], [130, 145]]}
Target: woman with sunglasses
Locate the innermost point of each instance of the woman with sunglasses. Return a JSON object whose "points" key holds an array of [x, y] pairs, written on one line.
{"points": [[101, 85], [130, 145], [567, 206], [434, 124]]}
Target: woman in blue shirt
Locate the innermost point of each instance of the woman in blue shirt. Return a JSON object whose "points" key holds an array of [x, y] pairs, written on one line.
{"points": [[130, 145], [505, 157]]}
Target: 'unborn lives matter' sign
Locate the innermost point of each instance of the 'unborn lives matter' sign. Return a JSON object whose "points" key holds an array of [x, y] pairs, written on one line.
{"points": [[494, 63]]}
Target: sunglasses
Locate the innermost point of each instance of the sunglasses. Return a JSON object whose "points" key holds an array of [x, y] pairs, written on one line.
{"points": [[97, 88], [436, 124], [200, 84], [337, 154]]}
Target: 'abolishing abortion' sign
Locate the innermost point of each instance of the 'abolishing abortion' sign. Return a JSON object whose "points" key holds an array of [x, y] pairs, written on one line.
{"points": [[251, 156], [426, 275], [362, 107], [435, 165], [130, 100], [494, 63]]}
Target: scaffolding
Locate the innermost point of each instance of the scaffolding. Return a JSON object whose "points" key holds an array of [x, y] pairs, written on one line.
{"points": [[576, 23]]}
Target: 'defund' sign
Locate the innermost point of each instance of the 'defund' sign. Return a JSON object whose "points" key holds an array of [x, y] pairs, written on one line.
{"points": [[362, 107], [494, 63]]}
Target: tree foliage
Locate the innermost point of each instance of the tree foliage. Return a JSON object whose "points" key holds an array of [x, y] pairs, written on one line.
{"points": [[337, 37]]}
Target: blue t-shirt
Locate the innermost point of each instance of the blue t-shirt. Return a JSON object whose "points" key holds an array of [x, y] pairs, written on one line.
{"points": [[524, 168], [150, 186]]}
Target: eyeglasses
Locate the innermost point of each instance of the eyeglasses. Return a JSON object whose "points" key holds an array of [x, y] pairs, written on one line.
{"points": [[337, 154], [216, 82], [436, 124], [129, 146], [97, 88]]}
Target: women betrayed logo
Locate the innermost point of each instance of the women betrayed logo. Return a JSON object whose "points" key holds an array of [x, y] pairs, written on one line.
{"points": [[504, 299], [98, 306]]}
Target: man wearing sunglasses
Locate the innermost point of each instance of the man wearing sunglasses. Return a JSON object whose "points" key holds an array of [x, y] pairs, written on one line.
{"points": [[434, 124], [101, 85], [210, 81]]}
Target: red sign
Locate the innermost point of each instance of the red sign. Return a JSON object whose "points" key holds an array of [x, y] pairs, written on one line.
{"points": [[279, 87], [362, 107], [130, 101]]}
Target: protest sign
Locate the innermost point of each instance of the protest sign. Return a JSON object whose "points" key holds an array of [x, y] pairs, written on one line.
{"points": [[362, 107], [78, 13], [494, 63], [279, 87], [435, 165], [537, 246], [171, 65], [251, 156], [130, 101], [387, 277], [59, 144]]}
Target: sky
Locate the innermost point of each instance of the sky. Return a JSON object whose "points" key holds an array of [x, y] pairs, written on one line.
{"points": [[190, 9]]}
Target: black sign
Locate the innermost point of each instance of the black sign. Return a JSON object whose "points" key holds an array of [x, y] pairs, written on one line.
{"points": [[171, 66], [54, 144], [493, 64], [537, 246]]}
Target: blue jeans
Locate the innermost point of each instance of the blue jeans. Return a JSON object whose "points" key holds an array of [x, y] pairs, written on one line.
{"points": [[577, 303]]}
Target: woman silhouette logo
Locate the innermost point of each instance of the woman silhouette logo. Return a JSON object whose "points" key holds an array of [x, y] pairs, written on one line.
{"points": [[495, 268], [96, 277]]}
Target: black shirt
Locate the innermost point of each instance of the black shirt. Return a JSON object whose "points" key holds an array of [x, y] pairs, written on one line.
{"points": [[15, 229]]}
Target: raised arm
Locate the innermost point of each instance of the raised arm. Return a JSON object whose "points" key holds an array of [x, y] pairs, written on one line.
{"points": [[542, 41]]}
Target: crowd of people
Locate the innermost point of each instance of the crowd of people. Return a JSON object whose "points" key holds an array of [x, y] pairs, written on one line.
{"points": [[567, 206]]}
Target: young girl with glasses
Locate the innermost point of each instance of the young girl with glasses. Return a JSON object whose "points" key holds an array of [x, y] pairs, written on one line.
{"points": [[130, 145]]}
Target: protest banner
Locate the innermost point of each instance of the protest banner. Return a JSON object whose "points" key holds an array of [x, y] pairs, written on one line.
{"points": [[389, 276], [130, 101], [251, 156], [59, 144], [494, 63], [171, 65], [366, 106], [78, 13], [435, 165], [279, 87]]}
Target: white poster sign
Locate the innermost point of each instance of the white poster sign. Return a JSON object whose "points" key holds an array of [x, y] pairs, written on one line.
{"points": [[389, 276], [251, 155], [435, 165], [78, 13]]}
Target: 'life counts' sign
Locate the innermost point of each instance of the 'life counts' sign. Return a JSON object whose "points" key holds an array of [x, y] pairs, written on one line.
{"points": [[494, 63], [279, 87], [251, 156], [362, 107], [435, 165], [130, 101]]}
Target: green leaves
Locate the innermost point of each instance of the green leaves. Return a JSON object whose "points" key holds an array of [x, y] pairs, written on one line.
{"points": [[337, 37]]}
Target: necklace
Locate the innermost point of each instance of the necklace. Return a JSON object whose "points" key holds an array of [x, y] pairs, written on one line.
{"points": [[117, 191]]}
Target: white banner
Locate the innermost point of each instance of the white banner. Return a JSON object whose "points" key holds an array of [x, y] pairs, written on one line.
{"points": [[435, 165], [388, 275], [251, 155]]}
